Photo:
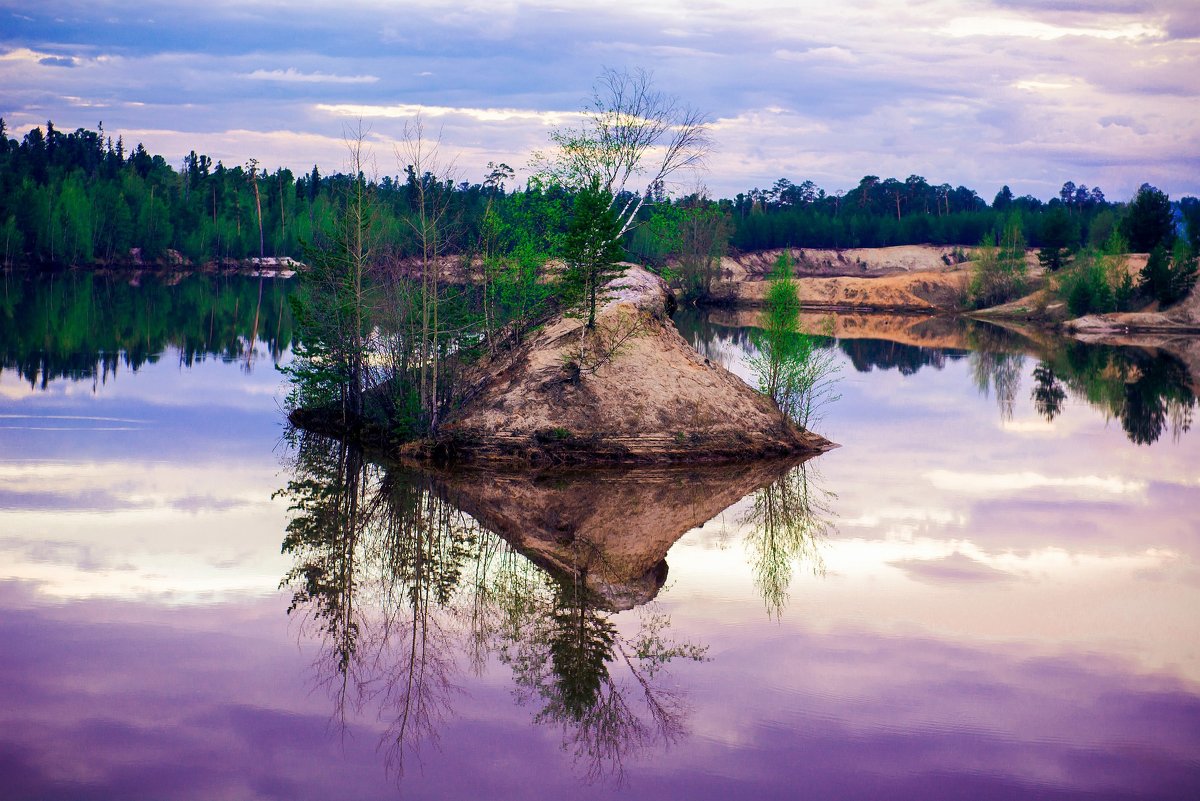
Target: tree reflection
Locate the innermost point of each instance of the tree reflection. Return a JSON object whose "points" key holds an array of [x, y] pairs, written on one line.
{"points": [[398, 585], [1159, 398], [376, 555], [1148, 391], [869, 354], [787, 523], [87, 325], [1048, 393], [998, 372], [565, 661]]}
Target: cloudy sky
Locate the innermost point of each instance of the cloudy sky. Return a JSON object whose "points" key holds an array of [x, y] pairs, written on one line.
{"points": [[1029, 93]]}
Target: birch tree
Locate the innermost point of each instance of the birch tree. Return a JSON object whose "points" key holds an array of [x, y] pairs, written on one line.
{"points": [[430, 183], [631, 138]]}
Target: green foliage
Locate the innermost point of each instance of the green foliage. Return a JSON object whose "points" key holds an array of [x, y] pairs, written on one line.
{"points": [[518, 238], [332, 311], [1169, 278], [1059, 234], [999, 273], [791, 367], [592, 250], [78, 198], [1149, 221], [1101, 228], [1087, 289], [1098, 280], [694, 234]]}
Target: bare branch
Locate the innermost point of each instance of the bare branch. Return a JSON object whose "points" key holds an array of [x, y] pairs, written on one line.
{"points": [[630, 131]]}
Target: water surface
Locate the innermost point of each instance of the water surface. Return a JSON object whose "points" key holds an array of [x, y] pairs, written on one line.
{"points": [[988, 590]]}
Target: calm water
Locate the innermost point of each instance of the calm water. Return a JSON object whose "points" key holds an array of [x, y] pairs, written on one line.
{"points": [[988, 591]]}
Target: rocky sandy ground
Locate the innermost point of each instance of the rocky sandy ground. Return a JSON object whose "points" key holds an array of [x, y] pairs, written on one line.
{"points": [[911, 277], [933, 279], [630, 391]]}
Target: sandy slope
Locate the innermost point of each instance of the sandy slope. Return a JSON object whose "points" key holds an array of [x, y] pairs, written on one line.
{"points": [[941, 290], [860, 262], [655, 400]]}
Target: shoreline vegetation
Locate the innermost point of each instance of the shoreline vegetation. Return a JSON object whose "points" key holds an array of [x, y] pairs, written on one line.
{"points": [[450, 320]]}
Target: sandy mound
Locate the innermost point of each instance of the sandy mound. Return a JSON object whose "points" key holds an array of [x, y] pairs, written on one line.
{"points": [[630, 391]]}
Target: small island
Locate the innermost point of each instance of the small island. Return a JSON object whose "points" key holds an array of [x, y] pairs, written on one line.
{"points": [[626, 390]]}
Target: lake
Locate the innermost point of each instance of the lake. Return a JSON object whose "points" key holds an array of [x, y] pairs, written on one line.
{"points": [[987, 591]]}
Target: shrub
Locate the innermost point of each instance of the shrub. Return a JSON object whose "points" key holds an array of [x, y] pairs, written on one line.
{"points": [[1000, 272]]}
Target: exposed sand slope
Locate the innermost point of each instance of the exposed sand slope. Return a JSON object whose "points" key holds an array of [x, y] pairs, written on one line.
{"points": [[656, 400], [941, 290], [611, 527], [860, 262]]}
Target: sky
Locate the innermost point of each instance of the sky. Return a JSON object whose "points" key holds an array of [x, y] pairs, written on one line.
{"points": [[981, 93]]}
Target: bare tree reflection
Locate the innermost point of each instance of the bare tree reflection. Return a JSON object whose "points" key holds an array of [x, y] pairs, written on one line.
{"points": [[787, 523], [376, 558], [999, 372], [399, 585]]}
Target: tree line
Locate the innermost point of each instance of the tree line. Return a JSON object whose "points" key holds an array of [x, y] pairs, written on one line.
{"points": [[81, 198]]}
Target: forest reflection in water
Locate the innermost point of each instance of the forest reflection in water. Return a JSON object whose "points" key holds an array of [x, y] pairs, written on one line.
{"points": [[85, 325], [410, 580], [1147, 388]]}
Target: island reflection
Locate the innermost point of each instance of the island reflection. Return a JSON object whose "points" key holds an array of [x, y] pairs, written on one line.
{"points": [[410, 579]]}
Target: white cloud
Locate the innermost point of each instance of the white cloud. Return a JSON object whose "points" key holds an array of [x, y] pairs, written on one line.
{"points": [[408, 110], [1034, 29], [1001, 483], [292, 75], [818, 55]]}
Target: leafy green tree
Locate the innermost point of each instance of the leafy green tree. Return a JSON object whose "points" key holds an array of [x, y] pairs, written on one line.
{"points": [[694, 233], [592, 249], [329, 372], [791, 367], [1004, 199], [1169, 278], [1149, 221], [1098, 280], [1102, 226], [518, 237], [1059, 233], [1000, 271]]}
